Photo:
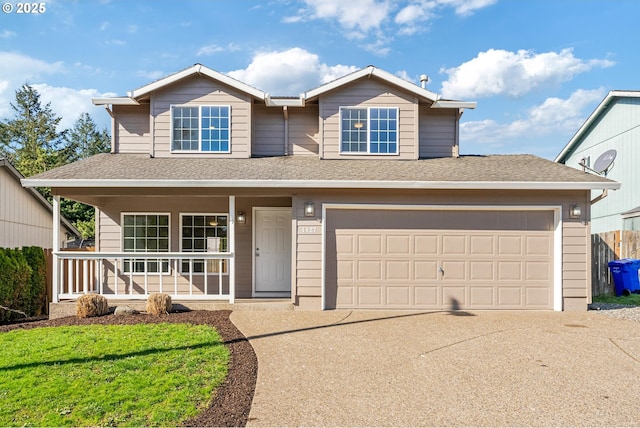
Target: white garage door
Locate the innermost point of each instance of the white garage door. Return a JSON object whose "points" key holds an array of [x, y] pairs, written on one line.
{"points": [[439, 259]]}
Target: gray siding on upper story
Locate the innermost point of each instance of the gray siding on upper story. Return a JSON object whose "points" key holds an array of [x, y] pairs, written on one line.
{"points": [[268, 131], [202, 91], [369, 93], [617, 128], [132, 129], [304, 134], [437, 132]]}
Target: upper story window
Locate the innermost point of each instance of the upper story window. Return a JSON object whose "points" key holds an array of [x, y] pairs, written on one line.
{"points": [[371, 130], [201, 128]]}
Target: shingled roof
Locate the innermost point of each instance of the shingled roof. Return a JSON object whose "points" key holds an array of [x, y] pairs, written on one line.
{"points": [[466, 172]]}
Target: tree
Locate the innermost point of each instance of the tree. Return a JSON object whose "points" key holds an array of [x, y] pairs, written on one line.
{"points": [[85, 140], [31, 140]]}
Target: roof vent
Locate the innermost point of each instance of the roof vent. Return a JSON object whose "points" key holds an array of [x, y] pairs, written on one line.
{"points": [[423, 80]]}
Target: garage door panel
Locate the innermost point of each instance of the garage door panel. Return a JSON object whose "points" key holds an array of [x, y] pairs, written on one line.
{"points": [[425, 245], [398, 296], [369, 296], [368, 269], [399, 245], [425, 270], [509, 297], [398, 270], [454, 270], [481, 245], [482, 270], [454, 245], [369, 244], [504, 266], [482, 296]]}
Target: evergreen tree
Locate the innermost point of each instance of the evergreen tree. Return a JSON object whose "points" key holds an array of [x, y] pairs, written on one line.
{"points": [[85, 140], [31, 140]]}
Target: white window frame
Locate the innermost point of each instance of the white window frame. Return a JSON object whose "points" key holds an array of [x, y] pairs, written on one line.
{"points": [[200, 107], [368, 152], [122, 237], [209, 272]]}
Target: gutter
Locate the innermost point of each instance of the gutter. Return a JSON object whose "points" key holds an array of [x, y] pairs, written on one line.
{"points": [[321, 184], [604, 194]]}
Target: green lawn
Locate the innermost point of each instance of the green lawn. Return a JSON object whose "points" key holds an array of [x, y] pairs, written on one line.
{"points": [[134, 375], [633, 299]]}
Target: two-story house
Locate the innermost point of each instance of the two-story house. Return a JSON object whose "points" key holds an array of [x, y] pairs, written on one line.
{"points": [[350, 195]]}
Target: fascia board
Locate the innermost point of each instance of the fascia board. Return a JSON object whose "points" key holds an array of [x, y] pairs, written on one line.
{"points": [[454, 104], [197, 69], [325, 184], [116, 101], [592, 118]]}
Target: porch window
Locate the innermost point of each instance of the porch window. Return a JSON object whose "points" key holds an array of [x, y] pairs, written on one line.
{"points": [[371, 130], [204, 233], [145, 233], [201, 128]]}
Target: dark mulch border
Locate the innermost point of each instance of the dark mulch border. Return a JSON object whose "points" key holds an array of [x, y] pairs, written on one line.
{"points": [[231, 402]]}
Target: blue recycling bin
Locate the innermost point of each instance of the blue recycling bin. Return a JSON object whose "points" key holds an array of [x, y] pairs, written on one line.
{"points": [[625, 276]]}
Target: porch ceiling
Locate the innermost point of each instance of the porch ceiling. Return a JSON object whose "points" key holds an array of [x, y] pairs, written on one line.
{"points": [[466, 172]]}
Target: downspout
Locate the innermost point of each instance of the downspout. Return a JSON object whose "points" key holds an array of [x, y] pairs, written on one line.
{"points": [[285, 111], [113, 128], [455, 151]]}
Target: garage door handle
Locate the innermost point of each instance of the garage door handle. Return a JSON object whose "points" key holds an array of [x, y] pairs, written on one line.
{"points": [[441, 270]]}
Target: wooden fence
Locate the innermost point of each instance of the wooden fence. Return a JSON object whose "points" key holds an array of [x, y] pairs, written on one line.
{"points": [[606, 247]]}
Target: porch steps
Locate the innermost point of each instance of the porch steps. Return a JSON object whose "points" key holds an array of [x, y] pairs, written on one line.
{"points": [[67, 308]]}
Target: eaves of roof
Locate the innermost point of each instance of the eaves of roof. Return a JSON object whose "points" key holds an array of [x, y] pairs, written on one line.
{"points": [[516, 172], [600, 110]]}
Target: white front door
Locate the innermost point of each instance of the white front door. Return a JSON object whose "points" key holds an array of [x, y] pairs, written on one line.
{"points": [[272, 252]]}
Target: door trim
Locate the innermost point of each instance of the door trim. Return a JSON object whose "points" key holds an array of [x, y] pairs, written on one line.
{"points": [[255, 293], [557, 234]]}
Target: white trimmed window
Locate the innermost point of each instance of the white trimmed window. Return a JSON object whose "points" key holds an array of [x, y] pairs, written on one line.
{"points": [[203, 233], [201, 129], [369, 130], [145, 233]]}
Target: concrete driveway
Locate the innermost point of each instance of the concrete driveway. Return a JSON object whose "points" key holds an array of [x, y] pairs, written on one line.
{"points": [[382, 368]]}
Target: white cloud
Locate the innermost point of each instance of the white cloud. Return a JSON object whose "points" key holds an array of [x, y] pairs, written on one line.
{"points": [[554, 115], [7, 34], [500, 72], [104, 26], [466, 7], [66, 103], [151, 74], [288, 72], [69, 103], [213, 49]]}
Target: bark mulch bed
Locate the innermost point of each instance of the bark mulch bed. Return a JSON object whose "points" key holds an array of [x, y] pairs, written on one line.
{"points": [[232, 400]]}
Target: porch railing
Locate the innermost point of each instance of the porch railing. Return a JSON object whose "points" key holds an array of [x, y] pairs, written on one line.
{"points": [[193, 276]]}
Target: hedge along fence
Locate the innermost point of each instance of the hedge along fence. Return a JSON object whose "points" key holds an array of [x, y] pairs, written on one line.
{"points": [[23, 283]]}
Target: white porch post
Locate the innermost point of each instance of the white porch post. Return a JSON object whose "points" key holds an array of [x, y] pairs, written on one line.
{"points": [[231, 247], [55, 271]]}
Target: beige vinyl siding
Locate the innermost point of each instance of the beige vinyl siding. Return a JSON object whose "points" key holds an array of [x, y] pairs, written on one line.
{"points": [[132, 129], [111, 209], [202, 91], [576, 281], [369, 93], [24, 221], [303, 130], [268, 131], [437, 132]]}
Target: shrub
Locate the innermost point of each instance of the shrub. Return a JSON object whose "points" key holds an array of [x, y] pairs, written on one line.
{"points": [[91, 305], [158, 304], [15, 275], [36, 297]]}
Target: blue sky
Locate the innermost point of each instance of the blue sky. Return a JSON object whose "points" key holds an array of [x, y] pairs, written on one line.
{"points": [[536, 68]]}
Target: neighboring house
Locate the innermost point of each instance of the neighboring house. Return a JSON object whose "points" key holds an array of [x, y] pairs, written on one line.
{"points": [[25, 215], [614, 125], [351, 195]]}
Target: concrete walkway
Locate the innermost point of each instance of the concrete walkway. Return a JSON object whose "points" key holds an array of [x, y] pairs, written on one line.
{"points": [[339, 368]]}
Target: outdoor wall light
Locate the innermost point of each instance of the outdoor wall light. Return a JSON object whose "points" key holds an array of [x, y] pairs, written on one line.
{"points": [[241, 217], [575, 211], [309, 209]]}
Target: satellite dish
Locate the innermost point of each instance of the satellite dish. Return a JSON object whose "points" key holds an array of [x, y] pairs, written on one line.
{"points": [[604, 161]]}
